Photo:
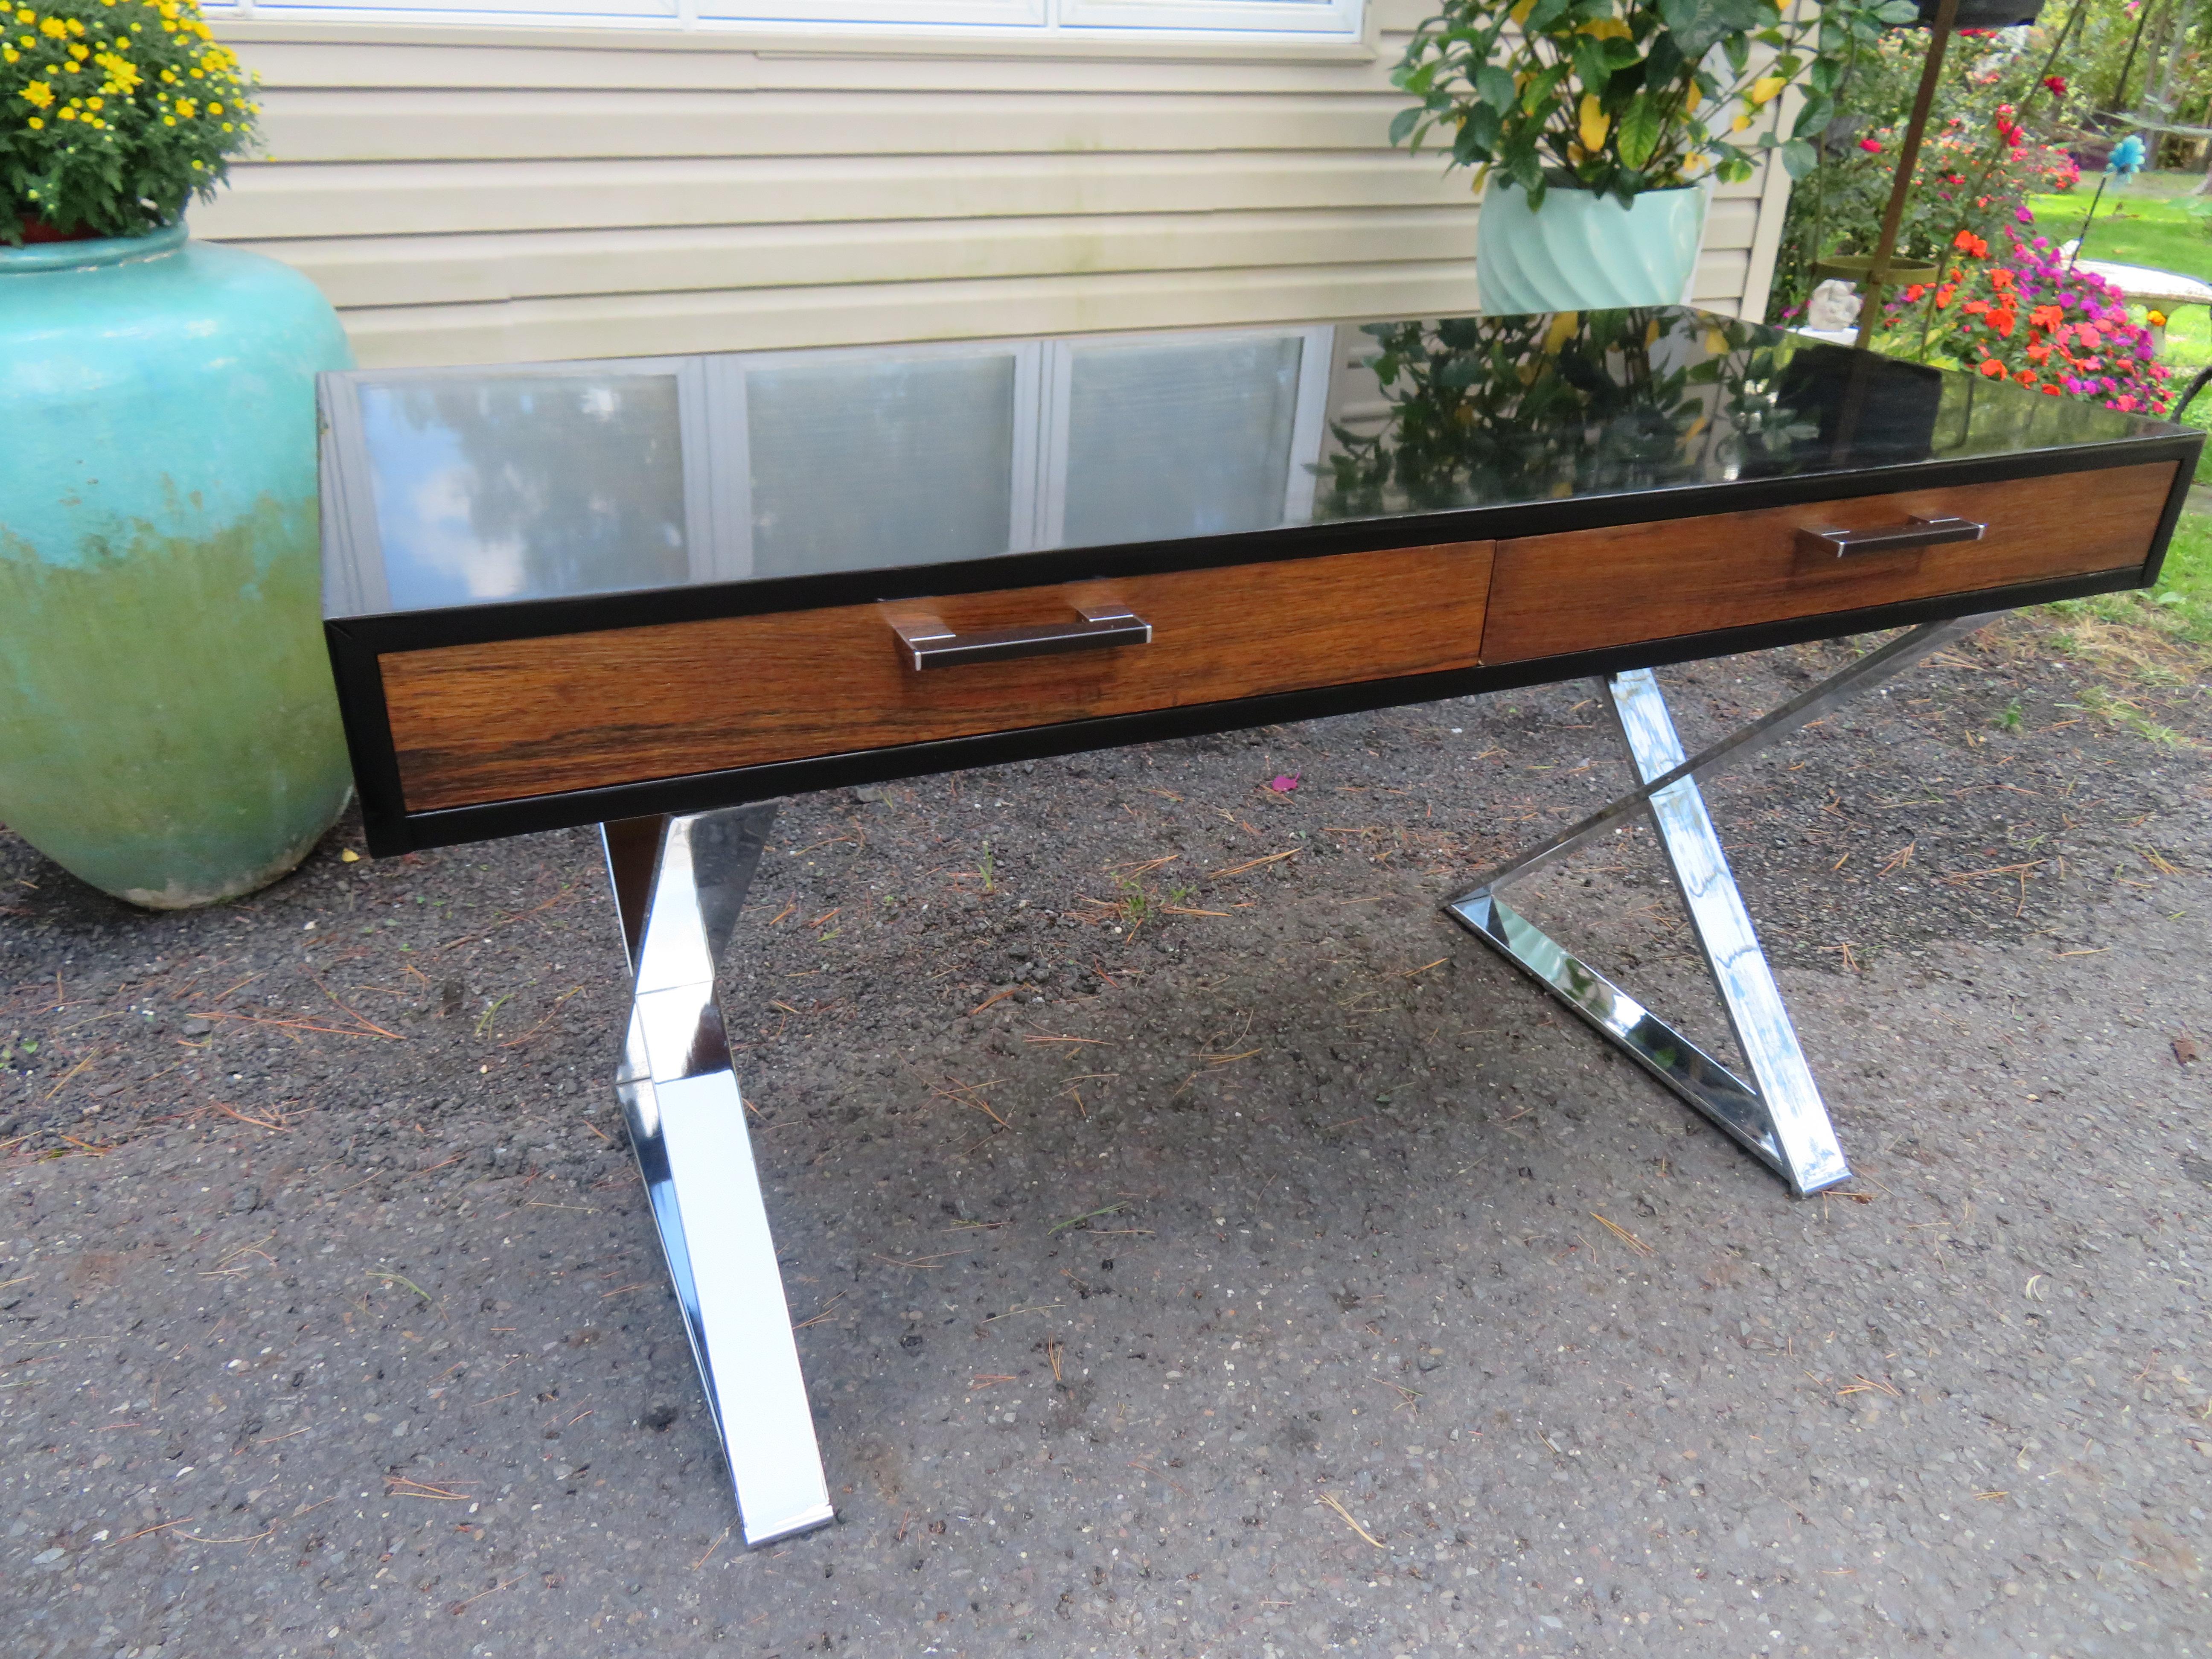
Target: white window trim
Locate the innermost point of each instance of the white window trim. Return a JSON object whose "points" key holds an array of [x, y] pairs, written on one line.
{"points": [[1339, 27], [712, 422]]}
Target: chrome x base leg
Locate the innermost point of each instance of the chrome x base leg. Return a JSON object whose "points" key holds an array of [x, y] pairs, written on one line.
{"points": [[1777, 1117], [678, 884]]}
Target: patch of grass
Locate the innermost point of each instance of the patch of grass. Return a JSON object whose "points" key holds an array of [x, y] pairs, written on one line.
{"points": [[2177, 610], [2153, 220], [2121, 711]]}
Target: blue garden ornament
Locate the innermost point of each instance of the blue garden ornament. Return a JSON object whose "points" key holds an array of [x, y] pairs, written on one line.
{"points": [[2127, 159]]}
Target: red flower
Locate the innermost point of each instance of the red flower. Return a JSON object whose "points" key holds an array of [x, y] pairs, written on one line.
{"points": [[2049, 390], [1871, 146], [2055, 85], [1993, 369]]}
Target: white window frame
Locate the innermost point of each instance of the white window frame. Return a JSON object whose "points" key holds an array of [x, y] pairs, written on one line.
{"points": [[1309, 21], [712, 426], [349, 501], [1308, 422], [728, 430]]}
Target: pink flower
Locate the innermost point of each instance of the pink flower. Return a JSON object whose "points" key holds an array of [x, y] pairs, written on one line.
{"points": [[1871, 146]]}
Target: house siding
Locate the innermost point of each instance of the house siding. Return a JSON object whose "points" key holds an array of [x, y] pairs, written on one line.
{"points": [[464, 196]]}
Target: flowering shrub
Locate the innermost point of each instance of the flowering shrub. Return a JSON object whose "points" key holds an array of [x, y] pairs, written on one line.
{"points": [[112, 114], [2026, 318]]}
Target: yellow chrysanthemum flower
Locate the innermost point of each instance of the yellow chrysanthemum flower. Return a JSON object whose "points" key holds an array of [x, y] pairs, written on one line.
{"points": [[35, 123], [38, 95], [54, 29]]}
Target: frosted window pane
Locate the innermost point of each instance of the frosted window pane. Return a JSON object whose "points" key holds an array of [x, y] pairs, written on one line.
{"points": [[1183, 440], [525, 487], [862, 463]]}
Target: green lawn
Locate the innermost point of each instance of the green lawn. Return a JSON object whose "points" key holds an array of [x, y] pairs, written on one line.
{"points": [[2154, 220]]}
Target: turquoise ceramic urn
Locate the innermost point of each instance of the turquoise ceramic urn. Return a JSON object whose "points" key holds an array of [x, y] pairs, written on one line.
{"points": [[167, 728]]}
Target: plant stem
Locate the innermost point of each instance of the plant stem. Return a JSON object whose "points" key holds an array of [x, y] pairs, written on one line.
{"points": [[1901, 182]]}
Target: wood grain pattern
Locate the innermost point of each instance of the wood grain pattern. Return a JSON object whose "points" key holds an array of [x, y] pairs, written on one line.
{"points": [[503, 721], [1586, 589]]}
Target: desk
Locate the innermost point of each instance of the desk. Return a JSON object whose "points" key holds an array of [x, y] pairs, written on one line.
{"points": [[657, 594]]}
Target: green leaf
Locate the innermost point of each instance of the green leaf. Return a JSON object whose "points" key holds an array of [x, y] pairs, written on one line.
{"points": [[1402, 124], [1738, 51], [1637, 134], [1819, 111], [1799, 157], [1494, 86], [1533, 95], [1590, 66]]}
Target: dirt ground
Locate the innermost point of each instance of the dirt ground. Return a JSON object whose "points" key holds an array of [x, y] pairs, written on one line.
{"points": [[1201, 1245]]}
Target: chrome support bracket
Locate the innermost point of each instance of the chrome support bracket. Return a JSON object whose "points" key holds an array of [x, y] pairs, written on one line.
{"points": [[1779, 1116], [678, 884]]}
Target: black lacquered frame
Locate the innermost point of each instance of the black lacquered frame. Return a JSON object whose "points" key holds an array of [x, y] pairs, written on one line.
{"points": [[356, 642]]}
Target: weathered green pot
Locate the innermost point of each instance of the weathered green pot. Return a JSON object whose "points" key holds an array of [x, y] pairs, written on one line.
{"points": [[167, 728]]}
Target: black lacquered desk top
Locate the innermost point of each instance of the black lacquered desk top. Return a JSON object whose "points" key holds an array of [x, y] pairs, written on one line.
{"points": [[536, 575]]}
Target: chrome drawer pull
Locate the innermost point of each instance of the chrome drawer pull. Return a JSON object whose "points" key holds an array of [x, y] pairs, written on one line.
{"points": [[929, 644], [1914, 532]]}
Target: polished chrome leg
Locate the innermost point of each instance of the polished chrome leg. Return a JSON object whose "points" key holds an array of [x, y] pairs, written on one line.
{"points": [[1778, 1118], [679, 885]]}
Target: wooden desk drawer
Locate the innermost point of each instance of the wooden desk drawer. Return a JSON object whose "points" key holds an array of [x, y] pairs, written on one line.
{"points": [[1586, 589], [502, 721]]}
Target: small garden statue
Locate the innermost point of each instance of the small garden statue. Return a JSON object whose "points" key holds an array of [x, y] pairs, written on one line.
{"points": [[1834, 307]]}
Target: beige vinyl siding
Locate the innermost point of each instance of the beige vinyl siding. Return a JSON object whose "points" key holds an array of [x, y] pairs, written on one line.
{"points": [[470, 195]]}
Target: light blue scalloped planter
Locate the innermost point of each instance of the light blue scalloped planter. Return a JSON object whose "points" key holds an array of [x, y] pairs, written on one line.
{"points": [[1582, 252], [168, 727]]}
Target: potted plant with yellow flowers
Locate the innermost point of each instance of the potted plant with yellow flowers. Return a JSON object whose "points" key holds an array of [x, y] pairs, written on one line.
{"points": [[167, 728], [1596, 126]]}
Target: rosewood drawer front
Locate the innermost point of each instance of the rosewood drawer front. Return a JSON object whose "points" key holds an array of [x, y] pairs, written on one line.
{"points": [[1587, 589], [473, 723]]}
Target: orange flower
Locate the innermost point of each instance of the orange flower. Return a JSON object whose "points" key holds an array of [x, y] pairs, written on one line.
{"points": [[2000, 279], [1993, 369], [1974, 247], [2047, 316], [2003, 321], [1943, 295]]}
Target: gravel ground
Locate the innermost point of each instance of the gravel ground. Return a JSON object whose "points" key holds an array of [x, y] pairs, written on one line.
{"points": [[1197, 1255]]}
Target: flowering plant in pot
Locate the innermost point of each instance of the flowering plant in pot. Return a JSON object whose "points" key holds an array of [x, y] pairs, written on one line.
{"points": [[167, 728], [114, 113], [1592, 123]]}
